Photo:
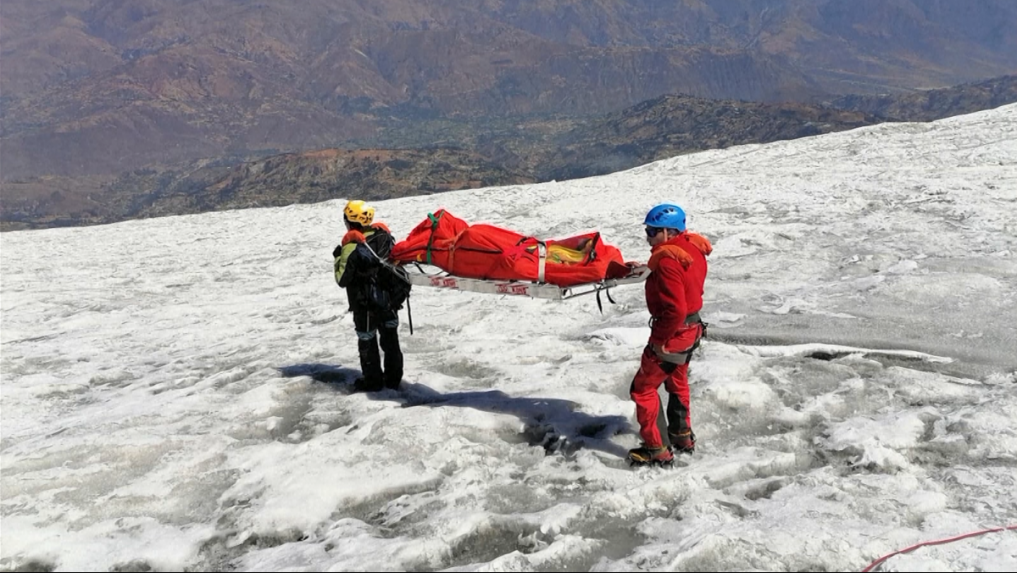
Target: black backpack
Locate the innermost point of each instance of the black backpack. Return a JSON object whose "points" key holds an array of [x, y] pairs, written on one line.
{"points": [[390, 289], [390, 285]]}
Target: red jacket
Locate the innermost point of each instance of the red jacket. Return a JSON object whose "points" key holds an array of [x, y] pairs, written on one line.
{"points": [[674, 289]]}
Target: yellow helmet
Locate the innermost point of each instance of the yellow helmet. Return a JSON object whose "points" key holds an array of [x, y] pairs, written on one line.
{"points": [[359, 212]]}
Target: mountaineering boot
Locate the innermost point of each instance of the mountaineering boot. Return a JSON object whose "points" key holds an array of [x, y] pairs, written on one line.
{"points": [[644, 455], [362, 385], [683, 442], [391, 381]]}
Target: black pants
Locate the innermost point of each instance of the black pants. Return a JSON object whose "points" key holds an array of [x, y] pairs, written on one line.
{"points": [[369, 325]]}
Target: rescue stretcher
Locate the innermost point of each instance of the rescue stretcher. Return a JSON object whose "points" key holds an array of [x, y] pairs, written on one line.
{"points": [[445, 251], [438, 278]]}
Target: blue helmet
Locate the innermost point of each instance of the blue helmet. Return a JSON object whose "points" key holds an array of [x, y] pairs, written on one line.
{"points": [[666, 216]]}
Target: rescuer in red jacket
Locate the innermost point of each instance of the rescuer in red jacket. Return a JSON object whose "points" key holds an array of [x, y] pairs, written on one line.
{"points": [[674, 296]]}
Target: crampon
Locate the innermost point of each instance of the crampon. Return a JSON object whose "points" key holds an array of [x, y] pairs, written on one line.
{"points": [[644, 456]]}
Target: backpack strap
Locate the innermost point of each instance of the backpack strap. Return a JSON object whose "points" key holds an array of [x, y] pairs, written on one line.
{"points": [[430, 239]]}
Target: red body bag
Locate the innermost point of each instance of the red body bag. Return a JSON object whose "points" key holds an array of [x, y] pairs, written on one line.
{"points": [[492, 253]]}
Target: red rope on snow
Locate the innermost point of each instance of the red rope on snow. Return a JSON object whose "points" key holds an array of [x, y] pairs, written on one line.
{"points": [[879, 561]]}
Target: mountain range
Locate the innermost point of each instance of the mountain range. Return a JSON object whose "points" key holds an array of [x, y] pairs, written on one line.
{"points": [[95, 92], [467, 156]]}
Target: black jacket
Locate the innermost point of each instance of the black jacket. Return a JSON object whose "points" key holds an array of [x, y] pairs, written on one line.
{"points": [[359, 271]]}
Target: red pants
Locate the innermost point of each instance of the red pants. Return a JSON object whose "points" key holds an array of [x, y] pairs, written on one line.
{"points": [[652, 373]]}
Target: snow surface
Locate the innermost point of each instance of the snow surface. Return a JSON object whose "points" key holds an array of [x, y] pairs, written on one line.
{"points": [[175, 391]]}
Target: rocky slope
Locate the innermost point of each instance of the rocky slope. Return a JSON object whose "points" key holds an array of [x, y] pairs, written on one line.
{"points": [[674, 125], [935, 104], [523, 151], [284, 179]]}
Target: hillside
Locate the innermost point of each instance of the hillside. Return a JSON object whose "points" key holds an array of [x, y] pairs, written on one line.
{"points": [[285, 179], [931, 105], [534, 150], [101, 87], [675, 125], [469, 154]]}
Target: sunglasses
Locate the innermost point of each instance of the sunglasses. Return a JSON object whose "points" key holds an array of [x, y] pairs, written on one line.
{"points": [[653, 231]]}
